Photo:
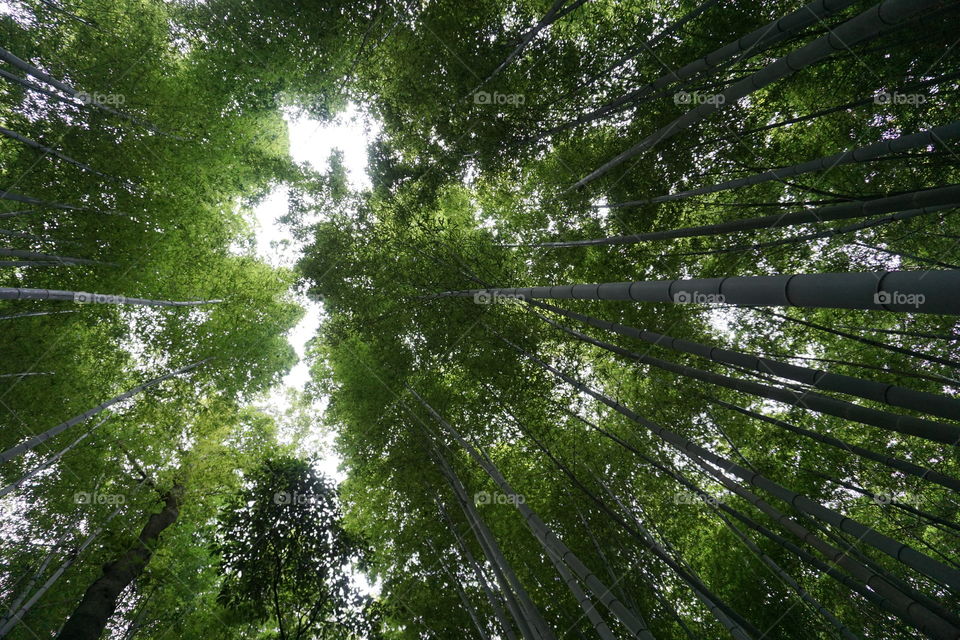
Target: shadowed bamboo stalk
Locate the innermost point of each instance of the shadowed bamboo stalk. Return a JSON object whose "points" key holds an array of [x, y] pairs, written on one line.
{"points": [[48, 258], [49, 461], [753, 42], [890, 394], [926, 291], [909, 609], [921, 140], [867, 25], [925, 200], [904, 466], [84, 297], [84, 99], [900, 552], [19, 449], [544, 535]]}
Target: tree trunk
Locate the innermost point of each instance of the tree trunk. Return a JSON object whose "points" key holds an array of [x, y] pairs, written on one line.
{"points": [[31, 70], [921, 140], [9, 293], [49, 461], [13, 452], [914, 291], [34, 313], [896, 550], [47, 150], [929, 429], [898, 464], [906, 88], [874, 343], [926, 200], [865, 26], [890, 394], [555, 12], [99, 602], [829, 233], [20, 253], [495, 603], [531, 623], [909, 609], [784, 543], [547, 538], [755, 41], [66, 564], [16, 197]]}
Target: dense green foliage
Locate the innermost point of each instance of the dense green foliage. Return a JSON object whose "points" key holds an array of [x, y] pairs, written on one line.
{"points": [[470, 171]]}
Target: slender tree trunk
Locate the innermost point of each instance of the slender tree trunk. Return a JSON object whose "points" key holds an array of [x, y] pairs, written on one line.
{"points": [[893, 395], [906, 88], [929, 429], [926, 291], [870, 595], [49, 461], [912, 334], [53, 152], [13, 452], [633, 52], [16, 197], [495, 603], [59, 9], [873, 343], [829, 233], [897, 464], [589, 609], [9, 293], [67, 563], [528, 617], [25, 236], [20, 253], [896, 550], [555, 12], [547, 538], [99, 602], [28, 589], [926, 200], [921, 140], [869, 367], [34, 313], [31, 70], [867, 25], [464, 600], [936, 521], [907, 608], [754, 41], [709, 600]]}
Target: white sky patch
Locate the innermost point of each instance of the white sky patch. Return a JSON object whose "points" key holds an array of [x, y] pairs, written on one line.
{"points": [[311, 142]]}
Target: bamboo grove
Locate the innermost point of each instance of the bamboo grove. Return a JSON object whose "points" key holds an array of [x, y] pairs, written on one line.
{"points": [[645, 328]]}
